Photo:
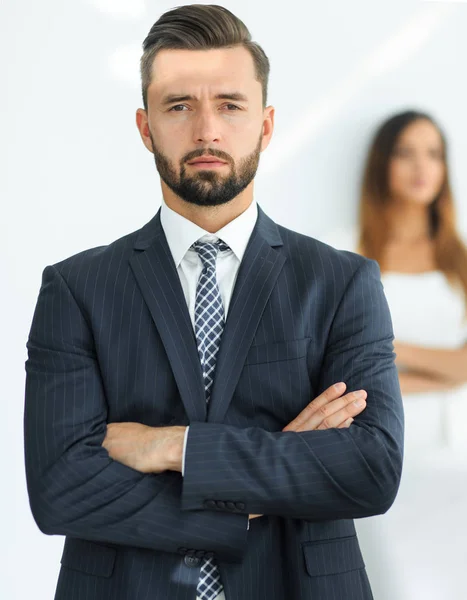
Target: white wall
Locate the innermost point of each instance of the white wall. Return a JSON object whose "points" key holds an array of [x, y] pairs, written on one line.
{"points": [[75, 173]]}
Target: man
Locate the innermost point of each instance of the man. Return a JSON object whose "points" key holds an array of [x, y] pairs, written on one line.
{"points": [[171, 431]]}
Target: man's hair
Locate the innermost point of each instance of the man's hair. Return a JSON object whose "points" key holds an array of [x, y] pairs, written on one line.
{"points": [[200, 27]]}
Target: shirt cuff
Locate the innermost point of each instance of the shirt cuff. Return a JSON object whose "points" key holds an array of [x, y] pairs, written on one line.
{"points": [[184, 450]]}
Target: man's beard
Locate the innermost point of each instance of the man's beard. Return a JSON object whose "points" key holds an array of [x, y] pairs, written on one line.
{"points": [[207, 188]]}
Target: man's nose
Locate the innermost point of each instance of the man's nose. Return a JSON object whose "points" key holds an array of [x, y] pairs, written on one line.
{"points": [[206, 127]]}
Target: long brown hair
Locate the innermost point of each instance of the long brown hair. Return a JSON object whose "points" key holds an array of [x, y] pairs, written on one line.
{"points": [[450, 252]]}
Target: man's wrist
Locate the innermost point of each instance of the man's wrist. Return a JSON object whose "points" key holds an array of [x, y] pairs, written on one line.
{"points": [[175, 449]]}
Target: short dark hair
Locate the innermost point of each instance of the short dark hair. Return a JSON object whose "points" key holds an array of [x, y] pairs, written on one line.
{"points": [[200, 27]]}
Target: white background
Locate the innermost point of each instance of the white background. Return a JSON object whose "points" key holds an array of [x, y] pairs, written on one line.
{"points": [[75, 173]]}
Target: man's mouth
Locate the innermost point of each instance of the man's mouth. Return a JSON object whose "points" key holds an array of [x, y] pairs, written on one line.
{"points": [[207, 162]]}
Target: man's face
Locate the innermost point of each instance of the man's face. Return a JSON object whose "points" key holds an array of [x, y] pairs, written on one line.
{"points": [[205, 123]]}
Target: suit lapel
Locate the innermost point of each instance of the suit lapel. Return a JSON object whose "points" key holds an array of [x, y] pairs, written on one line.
{"points": [[257, 276], [157, 277]]}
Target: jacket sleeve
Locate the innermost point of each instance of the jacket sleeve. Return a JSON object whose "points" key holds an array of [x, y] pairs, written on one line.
{"points": [[74, 487], [330, 474]]}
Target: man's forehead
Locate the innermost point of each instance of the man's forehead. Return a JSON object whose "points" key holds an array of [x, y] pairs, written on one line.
{"points": [[221, 67]]}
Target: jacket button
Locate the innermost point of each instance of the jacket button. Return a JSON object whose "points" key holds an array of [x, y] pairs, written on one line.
{"points": [[192, 561], [240, 505], [230, 505], [209, 504], [220, 504]]}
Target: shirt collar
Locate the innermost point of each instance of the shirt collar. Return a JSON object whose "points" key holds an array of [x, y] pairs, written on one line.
{"points": [[181, 233]]}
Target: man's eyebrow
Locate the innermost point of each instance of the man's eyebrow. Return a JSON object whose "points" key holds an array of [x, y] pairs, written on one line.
{"points": [[236, 96], [174, 98], [171, 98]]}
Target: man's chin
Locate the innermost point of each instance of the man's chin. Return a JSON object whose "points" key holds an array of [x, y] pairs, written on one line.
{"points": [[204, 201], [207, 177]]}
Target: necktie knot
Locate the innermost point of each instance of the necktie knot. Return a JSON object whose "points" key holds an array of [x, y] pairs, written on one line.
{"points": [[207, 251]]}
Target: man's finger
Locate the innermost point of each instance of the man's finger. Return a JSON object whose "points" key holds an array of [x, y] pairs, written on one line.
{"points": [[332, 393], [356, 403], [345, 424], [335, 413]]}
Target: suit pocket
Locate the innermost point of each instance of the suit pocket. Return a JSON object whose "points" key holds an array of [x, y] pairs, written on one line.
{"points": [[331, 557], [88, 557], [277, 351]]}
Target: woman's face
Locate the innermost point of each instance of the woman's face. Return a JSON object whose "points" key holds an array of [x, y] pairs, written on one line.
{"points": [[417, 168]]}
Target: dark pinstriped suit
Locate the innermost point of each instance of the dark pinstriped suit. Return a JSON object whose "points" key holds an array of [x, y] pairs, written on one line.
{"points": [[111, 340]]}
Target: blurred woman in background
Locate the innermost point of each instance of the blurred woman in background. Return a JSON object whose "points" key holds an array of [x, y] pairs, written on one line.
{"points": [[407, 223]]}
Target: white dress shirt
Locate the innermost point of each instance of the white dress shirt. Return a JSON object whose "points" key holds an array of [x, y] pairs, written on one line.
{"points": [[181, 234]]}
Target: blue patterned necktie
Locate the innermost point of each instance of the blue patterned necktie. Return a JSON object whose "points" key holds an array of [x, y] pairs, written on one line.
{"points": [[209, 325]]}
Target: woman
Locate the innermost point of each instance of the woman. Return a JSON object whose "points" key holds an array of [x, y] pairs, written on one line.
{"points": [[407, 223]]}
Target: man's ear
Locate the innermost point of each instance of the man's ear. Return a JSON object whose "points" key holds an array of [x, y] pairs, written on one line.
{"points": [[143, 127], [268, 126]]}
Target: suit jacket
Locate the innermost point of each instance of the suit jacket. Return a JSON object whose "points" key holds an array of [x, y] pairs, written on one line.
{"points": [[111, 340]]}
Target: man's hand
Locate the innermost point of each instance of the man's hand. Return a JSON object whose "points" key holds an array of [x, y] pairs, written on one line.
{"points": [[145, 449], [330, 410]]}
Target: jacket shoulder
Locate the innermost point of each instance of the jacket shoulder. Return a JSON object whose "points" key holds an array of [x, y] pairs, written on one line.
{"points": [[99, 257], [318, 252]]}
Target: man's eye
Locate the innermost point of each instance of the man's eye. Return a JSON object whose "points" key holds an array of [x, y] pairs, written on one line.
{"points": [[232, 107], [177, 108]]}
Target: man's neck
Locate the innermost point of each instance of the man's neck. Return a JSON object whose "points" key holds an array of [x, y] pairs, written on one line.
{"points": [[209, 218]]}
